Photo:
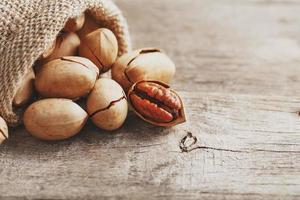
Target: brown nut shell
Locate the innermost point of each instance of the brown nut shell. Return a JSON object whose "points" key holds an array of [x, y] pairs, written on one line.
{"points": [[26, 89], [107, 104], [156, 103], [65, 45], [143, 64], [54, 119], [49, 50], [74, 24], [90, 25], [101, 47], [3, 130], [68, 77]]}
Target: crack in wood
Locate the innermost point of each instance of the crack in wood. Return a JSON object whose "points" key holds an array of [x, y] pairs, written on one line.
{"points": [[244, 194], [264, 131], [136, 146], [190, 138], [271, 150], [191, 147]]}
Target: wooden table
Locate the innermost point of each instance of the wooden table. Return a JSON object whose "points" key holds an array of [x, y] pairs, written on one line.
{"points": [[238, 70]]}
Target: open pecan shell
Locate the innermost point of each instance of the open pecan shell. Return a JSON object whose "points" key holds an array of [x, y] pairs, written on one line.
{"points": [[156, 103]]}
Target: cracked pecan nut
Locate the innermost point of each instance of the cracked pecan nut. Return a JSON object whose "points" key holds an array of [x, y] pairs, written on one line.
{"points": [[65, 45], [54, 119], [156, 103], [3, 130], [74, 24], [90, 25], [143, 64], [101, 47], [69, 77], [107, 104], [26, 90], [49, 50]]}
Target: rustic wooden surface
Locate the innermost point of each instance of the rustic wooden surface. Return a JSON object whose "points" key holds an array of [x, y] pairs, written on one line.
{"points": [[239, 73]]}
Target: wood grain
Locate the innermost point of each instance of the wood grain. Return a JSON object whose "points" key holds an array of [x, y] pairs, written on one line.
{"points": [[250, 148], [238, 73], [224, 46]]}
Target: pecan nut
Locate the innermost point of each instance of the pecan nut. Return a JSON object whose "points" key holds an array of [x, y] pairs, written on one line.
{"points": [[3, 130], [143, 64], [107, 104], [156, 103], [65, 44], [68, 77], [54, 119], [101, 47], [74, 24]]}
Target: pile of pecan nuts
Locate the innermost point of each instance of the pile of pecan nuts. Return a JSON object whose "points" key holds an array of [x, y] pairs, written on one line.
{"points": [[66, 87]]}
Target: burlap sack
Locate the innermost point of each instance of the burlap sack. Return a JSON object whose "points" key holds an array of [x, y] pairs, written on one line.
{"points": [[27, 27]]}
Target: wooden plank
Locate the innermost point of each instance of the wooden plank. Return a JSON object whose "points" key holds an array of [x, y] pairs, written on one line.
{"points": [[250, 148]]}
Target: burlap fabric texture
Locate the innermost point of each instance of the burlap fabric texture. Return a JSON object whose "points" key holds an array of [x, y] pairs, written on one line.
{"points": [[27, 27]]}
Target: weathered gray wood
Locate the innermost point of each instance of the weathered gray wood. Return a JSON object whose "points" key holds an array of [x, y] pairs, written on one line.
{"points": [[248, 46], [250, 148], [238, 71]]}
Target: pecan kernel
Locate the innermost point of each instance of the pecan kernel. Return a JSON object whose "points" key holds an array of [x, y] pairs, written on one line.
{"points": [[156, 103]]}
